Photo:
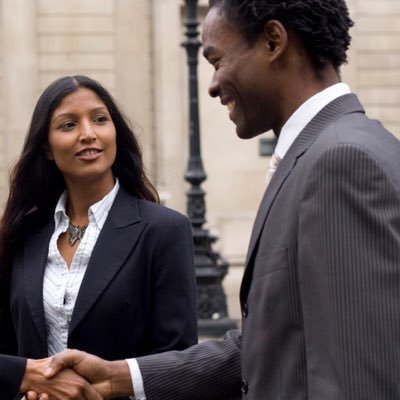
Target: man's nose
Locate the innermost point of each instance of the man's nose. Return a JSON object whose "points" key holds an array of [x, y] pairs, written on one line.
{"points": [[213, 88]]}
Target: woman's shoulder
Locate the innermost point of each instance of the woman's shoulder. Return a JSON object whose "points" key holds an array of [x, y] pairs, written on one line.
{"points": [[158, 211], [150, 211]]}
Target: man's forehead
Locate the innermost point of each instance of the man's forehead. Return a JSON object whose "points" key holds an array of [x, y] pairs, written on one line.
{"points": [[213, 19], [214, 25]]}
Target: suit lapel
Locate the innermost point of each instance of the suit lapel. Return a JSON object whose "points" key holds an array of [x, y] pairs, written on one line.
{"points": [[276, 182], [34, 259], [119, 235], [342, 105]]}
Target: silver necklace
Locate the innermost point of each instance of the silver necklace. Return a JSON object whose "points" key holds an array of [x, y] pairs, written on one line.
{"points": [[75, 232]]}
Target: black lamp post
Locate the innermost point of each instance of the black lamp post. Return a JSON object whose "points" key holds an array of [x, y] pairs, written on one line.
{"points": [[211, 268]]}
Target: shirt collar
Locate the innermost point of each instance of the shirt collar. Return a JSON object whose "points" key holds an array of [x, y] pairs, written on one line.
{"points": [[98, 212], [60, 213], [305, 113]]}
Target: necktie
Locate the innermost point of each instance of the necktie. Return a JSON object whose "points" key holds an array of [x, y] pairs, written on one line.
{"points": [[273, 165]]}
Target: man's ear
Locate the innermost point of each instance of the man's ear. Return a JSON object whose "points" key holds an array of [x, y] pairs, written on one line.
{"points": [[276, 38]]}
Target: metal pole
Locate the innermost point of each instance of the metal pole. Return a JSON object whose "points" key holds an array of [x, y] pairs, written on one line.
{"points": [[211, 267]]}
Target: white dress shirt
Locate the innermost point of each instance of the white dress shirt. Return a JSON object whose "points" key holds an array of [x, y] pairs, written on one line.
{"points": [[292, 128], [304, 114], [60, 283]]}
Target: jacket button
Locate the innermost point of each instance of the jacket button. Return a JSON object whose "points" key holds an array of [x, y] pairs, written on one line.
{"points": [[245, 310], [244, 386]]}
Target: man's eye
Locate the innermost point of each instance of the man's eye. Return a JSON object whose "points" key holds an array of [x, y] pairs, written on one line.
{"points": [[215, 64]]}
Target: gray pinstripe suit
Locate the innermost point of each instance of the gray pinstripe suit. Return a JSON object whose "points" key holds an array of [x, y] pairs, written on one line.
{"points": [[321, 291]]}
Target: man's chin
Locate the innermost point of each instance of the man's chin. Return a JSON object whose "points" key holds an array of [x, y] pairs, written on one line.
{"points": [[246, 133]]}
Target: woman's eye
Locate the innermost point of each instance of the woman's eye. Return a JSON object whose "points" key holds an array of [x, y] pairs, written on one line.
{"points": [[67, 126], [101, 119]]}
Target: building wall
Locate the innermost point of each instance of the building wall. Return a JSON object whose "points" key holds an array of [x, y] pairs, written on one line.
{"points": [[133, 48], [46, 39], [377, 59]]}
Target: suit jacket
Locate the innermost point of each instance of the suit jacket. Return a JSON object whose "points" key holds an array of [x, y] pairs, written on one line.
{"points": [[12, 370], [138, 295], [320, 295]]}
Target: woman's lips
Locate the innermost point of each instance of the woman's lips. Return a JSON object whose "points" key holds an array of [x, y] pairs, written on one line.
{"points": [[88, 154]]}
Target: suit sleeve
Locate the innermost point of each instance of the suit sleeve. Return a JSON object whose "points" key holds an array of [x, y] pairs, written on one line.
{"points": [[349, 276], [8, 341], [209, 370], [174, 310], [12, 370]]}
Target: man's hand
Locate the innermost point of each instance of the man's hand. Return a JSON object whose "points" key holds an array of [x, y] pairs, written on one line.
{"points": [[66, 385], [109, 378], [34, 396]]}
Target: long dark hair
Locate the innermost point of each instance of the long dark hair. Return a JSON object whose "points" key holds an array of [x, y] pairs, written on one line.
{"points": [[36, 183]]}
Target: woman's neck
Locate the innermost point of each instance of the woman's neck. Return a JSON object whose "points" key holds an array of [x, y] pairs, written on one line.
{"points": [[81, 198]]}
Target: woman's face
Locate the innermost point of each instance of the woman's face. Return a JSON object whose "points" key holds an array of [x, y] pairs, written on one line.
{"points": [[82, 139]]}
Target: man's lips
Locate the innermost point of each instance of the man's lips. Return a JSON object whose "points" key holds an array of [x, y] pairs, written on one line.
{"points": [[231, 105], [228, 102]]}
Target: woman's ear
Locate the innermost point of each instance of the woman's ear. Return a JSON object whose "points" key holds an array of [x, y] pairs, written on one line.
{"points": [[276, 38], [47, 152]]}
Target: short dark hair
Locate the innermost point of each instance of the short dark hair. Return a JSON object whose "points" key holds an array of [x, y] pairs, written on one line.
{"points": [[322, 25], [35, 181]]}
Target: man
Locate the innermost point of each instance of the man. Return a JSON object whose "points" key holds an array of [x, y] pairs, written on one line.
{"points": [[18, 375], [320, 294]]}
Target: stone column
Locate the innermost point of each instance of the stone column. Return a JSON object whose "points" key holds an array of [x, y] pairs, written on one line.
{"points": [[20, 72], [134, 70]]}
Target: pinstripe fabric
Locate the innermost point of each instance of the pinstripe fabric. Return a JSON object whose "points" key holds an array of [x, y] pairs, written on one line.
{"points": [[321, 290], [356, 266], [205, 371]]}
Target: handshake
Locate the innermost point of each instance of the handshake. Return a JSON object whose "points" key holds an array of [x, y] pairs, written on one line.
{"points": [[75, 375]]}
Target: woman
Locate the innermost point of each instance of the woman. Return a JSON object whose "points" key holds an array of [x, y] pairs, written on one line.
{"points": [[90, 259]]}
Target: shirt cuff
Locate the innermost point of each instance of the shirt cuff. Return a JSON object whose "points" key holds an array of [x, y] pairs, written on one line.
{"points": [[137, 380]]}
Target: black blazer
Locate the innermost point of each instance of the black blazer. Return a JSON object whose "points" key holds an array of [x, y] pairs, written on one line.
{"points": [[12, 370], [138, 295], [320, 294]]}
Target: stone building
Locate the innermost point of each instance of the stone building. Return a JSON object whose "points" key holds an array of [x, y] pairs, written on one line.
{"points": [[133, 48]]}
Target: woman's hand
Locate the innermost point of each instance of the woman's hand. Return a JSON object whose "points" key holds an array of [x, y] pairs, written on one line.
{"points": [[66, 384]]}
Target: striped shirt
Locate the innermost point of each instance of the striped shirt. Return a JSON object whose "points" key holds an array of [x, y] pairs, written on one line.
{"points": [[60, 283]]}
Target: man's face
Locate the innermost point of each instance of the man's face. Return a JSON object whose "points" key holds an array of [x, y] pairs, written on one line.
{"points": [[242, 78]]}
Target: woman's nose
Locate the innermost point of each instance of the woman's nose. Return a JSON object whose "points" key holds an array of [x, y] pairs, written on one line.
{"points": [[88, 132]]}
